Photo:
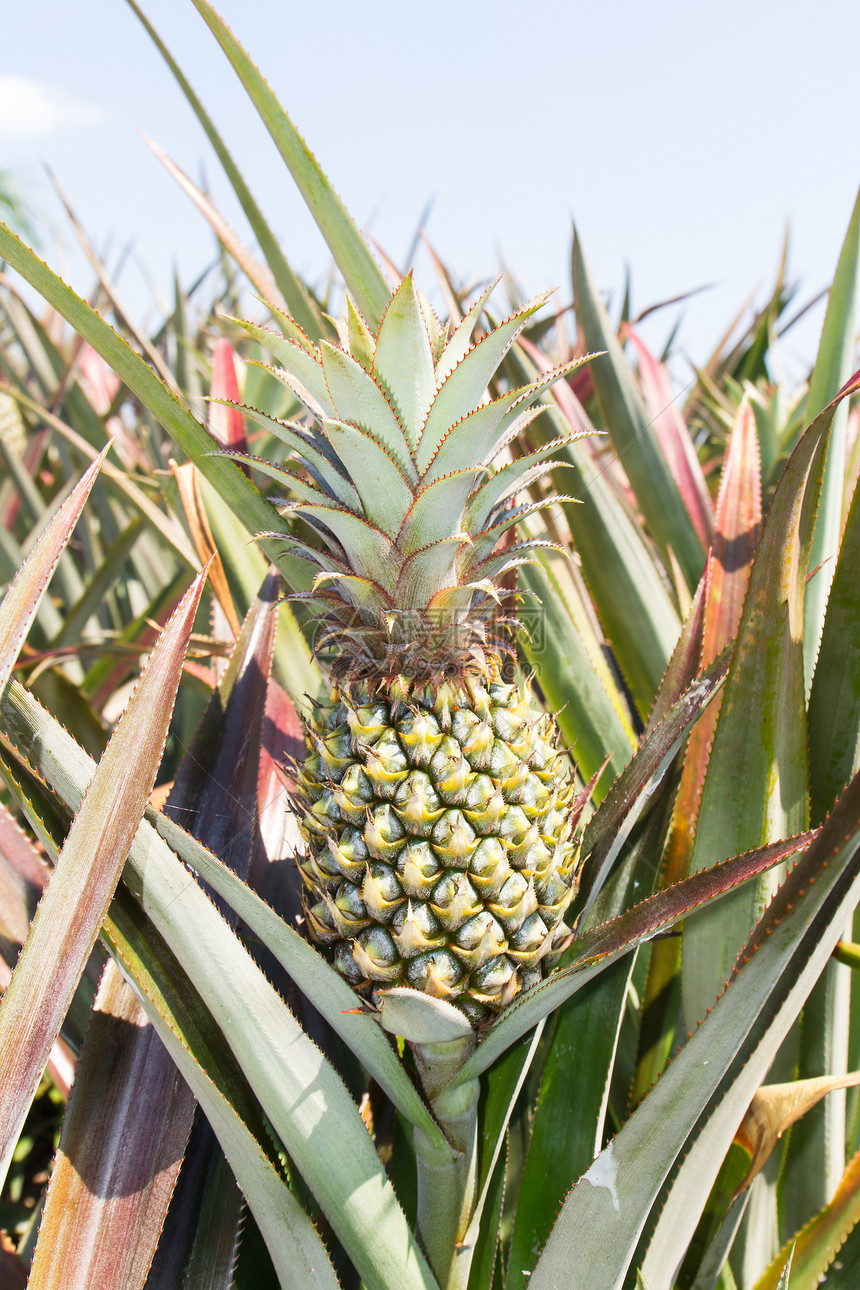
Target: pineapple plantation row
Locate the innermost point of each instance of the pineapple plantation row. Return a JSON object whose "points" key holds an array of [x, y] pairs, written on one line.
{"points": [[441, 741]]}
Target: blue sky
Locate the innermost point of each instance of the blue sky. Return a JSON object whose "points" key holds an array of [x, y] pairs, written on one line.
{"points": [[680, 137]]}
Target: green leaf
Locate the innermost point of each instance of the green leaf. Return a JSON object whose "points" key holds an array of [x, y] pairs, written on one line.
{"points": [[361, 273], [305, 310], [632, 434], [234, 487], [834, 703], [74, 904], [321, 984], [22, 597], [832, 368], [756, 785], [741, 1034], [463, 390], [403, 362], [385, 494], [572, 671]]}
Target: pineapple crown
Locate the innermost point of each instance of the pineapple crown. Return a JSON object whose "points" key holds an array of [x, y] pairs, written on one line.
{"points": [[398, 484]]}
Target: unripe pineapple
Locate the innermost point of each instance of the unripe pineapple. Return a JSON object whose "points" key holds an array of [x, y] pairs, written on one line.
{"points": [[437, 810]]}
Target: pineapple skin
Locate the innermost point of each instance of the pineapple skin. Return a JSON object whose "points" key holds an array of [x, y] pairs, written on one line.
{"points": [[438, 824]]}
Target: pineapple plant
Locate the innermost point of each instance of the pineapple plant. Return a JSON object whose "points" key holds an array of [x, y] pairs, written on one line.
{"points": [[443, 1099], [435, 803]]}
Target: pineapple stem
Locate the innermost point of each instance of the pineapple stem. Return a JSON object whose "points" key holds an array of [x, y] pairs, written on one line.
{"points": [[446, 1189]]}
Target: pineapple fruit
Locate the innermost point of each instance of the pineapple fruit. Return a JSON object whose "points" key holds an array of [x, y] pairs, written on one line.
{"points": [[436, 806]]}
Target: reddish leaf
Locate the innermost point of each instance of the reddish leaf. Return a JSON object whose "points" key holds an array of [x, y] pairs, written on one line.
{"points": [[76, 899], [109, 1189], [22, 598], [674, 437], [226, 422]]}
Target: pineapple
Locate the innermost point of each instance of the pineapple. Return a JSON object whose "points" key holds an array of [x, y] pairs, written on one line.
{"points": [[436, 806]]}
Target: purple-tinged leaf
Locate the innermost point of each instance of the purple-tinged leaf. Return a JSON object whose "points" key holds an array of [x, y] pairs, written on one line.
{"points": [[674, 437], [685, 663], [23, 874], [76, 899], [109, 1189], [214, 795], [274, 874], [22, 598]]}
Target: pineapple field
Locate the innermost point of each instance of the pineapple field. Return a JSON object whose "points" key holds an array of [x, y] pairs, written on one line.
{"points": [[429, 797]]}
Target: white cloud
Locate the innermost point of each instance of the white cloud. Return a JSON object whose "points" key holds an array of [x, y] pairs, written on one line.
{"points": [[32, 109]]}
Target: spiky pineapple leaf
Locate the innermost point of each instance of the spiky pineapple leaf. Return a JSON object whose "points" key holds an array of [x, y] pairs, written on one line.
{"points": [[301, 360], [437, 509], [236, 489], [781, 963], [756, 786], [403, 361], [464, 389], [361, 273], [72, 909], [479, 435], [834, 702], [832, 369], [331, 477], [632, 434], [22, 598], [381, 484], [461, 338], [303, 308], [358, 399]]}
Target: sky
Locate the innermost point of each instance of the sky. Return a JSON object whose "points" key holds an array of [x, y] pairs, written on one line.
{"points": [[681, 138]]}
